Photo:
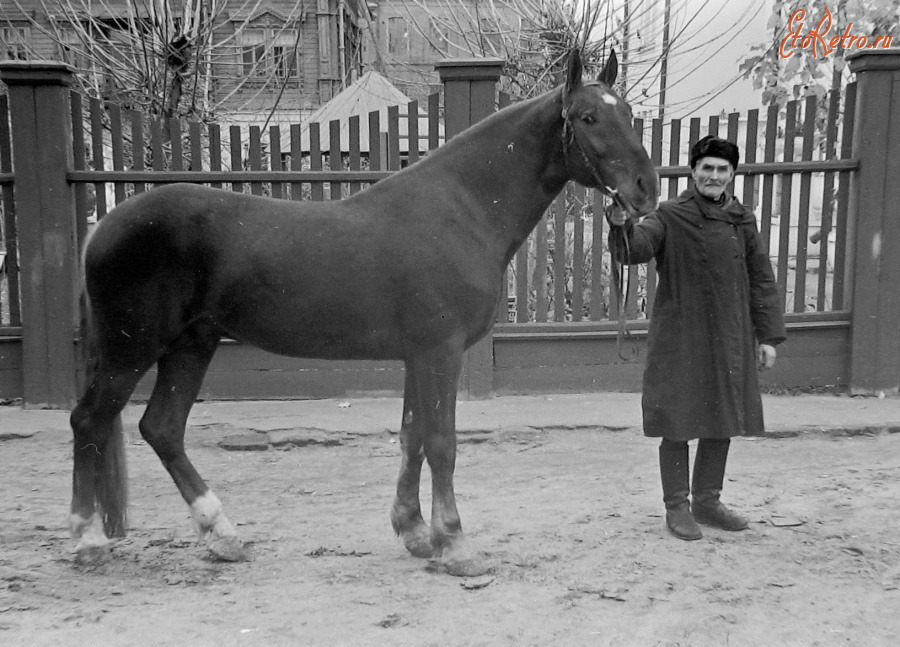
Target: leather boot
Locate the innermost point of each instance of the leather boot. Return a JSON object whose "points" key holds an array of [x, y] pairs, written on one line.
{"points": [[673, 468], [709, 475]]}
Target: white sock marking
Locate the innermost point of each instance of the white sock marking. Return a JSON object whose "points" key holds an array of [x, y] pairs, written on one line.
{"points": [[208, 517], [88, 532]]}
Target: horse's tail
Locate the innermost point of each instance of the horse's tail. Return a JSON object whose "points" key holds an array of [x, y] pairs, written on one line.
{"points": [[110, 470], [112, 482]]}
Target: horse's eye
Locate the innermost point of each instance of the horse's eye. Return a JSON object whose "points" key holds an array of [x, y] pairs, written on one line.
{"points": [[588, 119]]}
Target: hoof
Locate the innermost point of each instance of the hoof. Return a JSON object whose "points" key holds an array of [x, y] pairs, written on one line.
{"points": [[459, 567], [227, 549], [419, 545], [92, 555]]}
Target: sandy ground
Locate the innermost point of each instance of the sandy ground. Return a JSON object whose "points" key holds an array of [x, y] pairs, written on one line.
{"points": [[570, 521]]}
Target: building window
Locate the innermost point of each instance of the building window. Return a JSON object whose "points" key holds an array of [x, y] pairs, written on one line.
{"points": [[438, 36], [14, 43], [270, 53], [70, 48], [399, 38]]}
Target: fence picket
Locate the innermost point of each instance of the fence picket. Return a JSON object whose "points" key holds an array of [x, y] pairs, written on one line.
{"points": [[334, 157], [827, 203], [784, 214], [177, 162], [769, 178], [693, 132], [375, 153], [656, 153], [522, 285], [578, 200], [674, 154], [412, 131], [97, 156], [597, 246], [156, 147], [693, 138], [237, 158], [434, 123], [255, 157], [809, 122], [559, 256], [317, 189], [539, 276], [296, 161], [840, 255], [393, 134], [355, 157], [750, 158], [195, 137], [79, 162], [118, 148], [275, 161], [732, 136], [215, 151]]}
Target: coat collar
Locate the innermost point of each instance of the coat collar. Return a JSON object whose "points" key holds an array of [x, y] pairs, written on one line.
{"points": [[732, 211]]}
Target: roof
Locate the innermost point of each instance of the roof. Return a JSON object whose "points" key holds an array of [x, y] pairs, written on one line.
{"points": [[370, 93]]}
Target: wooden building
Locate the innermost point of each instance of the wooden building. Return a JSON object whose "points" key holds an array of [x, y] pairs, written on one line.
{"points": [[297, 54]]}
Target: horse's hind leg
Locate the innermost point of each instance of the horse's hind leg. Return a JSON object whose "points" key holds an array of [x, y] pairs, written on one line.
{"points": [[99, 483], [180, 374], [406, 513]]}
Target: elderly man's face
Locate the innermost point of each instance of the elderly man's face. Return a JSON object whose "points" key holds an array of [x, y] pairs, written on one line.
{"points": [[712, 175]]}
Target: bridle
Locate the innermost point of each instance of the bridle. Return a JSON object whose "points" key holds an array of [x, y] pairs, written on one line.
{"points": [[621, 277]]}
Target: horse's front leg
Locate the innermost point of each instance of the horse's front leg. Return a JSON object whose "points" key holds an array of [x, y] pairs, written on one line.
{"points": [[406, 513], [435, 374]]}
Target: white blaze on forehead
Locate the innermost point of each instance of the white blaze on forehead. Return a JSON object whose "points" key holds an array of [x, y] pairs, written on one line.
{"points": [[608, 99]]}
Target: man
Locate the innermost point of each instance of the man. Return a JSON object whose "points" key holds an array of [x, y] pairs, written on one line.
{"points": [[717, 318]]}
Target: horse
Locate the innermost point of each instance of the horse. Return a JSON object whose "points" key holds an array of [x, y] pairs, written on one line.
{"points": [[412, 269]]}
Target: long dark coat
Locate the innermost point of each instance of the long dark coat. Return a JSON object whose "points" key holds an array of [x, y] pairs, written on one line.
{"points": [[716, 299]]}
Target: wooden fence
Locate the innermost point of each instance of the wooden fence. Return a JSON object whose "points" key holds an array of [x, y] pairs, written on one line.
{"points": [[554, 278], [798, 171], [119, 153]]}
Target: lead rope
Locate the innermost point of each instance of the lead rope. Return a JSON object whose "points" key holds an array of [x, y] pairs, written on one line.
{"points": [[621, 279]]}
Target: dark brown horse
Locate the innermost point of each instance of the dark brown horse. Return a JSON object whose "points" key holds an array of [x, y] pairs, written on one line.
{"points": [[411, 269]]}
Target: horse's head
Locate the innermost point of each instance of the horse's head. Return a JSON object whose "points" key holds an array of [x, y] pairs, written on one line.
{"points": [[599, 142]]}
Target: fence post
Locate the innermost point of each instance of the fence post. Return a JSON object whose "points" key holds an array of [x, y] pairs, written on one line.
{"points": [[42, 155], [470, 95], [875, 340]]}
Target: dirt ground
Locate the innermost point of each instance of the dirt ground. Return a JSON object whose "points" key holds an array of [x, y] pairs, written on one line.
{"points": [[570, 521]]}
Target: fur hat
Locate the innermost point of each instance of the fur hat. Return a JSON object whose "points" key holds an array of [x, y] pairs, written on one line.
{"points": [[711, 146]]}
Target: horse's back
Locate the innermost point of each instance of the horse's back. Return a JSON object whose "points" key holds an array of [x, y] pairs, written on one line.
{"points": [[359, 278]]}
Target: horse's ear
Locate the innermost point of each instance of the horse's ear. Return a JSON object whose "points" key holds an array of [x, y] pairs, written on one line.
{"points": [[610, 70], [575, 68]]}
